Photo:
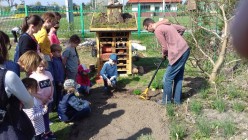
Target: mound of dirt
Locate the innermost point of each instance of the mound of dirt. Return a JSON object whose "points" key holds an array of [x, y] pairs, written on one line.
{"points": [[121, 116]]}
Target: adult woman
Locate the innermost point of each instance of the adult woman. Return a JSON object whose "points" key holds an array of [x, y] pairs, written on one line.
{"points": [[14, 96], [31, 24]]}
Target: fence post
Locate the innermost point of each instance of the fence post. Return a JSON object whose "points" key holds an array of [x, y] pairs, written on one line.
{"points": [[139, 19], [26, 10], [82, 19]]}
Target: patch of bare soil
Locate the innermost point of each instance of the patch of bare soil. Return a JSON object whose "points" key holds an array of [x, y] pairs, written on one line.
{"points": [[121, 116]]}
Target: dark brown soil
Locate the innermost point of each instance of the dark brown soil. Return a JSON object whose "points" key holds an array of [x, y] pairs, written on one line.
{"points": [[121, 116]]}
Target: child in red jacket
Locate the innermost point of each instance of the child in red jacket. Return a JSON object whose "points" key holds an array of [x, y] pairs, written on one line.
{"points": [[83, 79]]}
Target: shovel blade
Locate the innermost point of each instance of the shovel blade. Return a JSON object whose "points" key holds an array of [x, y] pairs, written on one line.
{"points": [[144, 95]]}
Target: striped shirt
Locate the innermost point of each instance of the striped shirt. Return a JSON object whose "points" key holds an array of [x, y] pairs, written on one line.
{"points": [[35, 114]]}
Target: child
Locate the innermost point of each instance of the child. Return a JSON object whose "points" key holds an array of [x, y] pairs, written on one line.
{"points": [[109, 73], [71, 108], [35, 113], [83, 80], [59, 73], [45, 90], [70, 57]]}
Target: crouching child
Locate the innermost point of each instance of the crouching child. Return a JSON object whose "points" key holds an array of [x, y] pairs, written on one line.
{"points": [[83, 80], [109, 73], [71, 108]]}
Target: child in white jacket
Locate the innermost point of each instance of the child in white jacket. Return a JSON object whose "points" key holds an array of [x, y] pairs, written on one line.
{"points": [[35, 113]]}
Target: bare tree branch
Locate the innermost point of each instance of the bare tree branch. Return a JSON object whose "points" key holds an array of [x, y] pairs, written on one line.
{"points": [[197, 45], [213, 32]]}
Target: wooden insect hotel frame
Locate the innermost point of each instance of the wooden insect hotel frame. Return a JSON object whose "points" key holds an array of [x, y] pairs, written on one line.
{"points": [[113, 34]]}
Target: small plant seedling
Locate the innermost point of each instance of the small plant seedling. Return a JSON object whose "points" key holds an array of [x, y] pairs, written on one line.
{"points": [[145, 137], [177, 131], [170, 110], [204, 127], [196, 107], [137, 92], [238, 107], [219, 105], [229, 128]]}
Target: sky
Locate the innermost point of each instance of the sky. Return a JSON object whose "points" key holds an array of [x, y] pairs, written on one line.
{"points": [[45, 2]]}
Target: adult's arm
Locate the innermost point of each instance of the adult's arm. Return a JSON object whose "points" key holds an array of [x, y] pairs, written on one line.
{"points": [[160, 35], [239, 29], [41, 37], [180, 29], [14, 86]]}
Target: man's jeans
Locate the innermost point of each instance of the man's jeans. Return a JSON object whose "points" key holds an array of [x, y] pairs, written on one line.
{"points": [[174, 73]]}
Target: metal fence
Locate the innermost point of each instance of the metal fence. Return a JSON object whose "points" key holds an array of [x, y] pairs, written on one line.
{"points": [[83, 17]]}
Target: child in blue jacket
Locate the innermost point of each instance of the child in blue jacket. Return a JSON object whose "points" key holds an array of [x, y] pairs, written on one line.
{"points": [[109, 72], [71, 108]]}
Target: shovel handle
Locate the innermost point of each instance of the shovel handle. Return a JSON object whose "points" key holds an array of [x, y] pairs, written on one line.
{"points": [[155, 73]]}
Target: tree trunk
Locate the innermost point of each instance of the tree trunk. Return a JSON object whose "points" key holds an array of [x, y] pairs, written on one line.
{"points": [[220, 60]]}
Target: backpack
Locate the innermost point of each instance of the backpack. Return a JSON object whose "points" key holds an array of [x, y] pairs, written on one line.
{"points": [[12, 116]]}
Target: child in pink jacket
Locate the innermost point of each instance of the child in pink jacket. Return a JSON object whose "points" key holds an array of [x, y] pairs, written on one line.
{"points": [[83, 79]]}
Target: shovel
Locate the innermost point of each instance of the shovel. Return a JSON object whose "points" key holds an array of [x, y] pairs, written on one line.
{"points": [[144, 95]]}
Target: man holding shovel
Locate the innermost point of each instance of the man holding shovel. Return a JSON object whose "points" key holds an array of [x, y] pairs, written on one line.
{"points": [[177, 51]]}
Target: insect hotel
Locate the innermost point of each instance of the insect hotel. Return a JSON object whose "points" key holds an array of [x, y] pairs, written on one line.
{"points": [[113, 33]]}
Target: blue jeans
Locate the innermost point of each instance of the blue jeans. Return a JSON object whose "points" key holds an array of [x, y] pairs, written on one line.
{"points": [[174, 73]]}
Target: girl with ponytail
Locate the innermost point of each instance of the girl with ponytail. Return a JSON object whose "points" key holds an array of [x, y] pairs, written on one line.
{"points": [[31, 24]]}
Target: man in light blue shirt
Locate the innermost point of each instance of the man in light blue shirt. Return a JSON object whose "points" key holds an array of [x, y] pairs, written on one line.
{"points": [[109, 72]]}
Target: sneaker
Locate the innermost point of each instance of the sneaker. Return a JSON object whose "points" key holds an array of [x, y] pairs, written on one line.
{"points": [[160, 102]]}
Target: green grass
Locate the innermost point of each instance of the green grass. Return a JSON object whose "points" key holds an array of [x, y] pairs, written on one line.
{"points": [[177, 131], [196, 107], [137, 92], [238, 107], [219, 104], [228, 128], [61, 129], [170, 110], [145, 137], [204, 128]]}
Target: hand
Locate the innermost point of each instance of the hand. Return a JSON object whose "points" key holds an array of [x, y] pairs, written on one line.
{"points": [[45, 109], [109, 82], [164, 57], [112, 78]]}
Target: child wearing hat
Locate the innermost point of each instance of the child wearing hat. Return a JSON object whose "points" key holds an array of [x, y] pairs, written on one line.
{"points": [[71, 108], [83, 80], [109, 72]]}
